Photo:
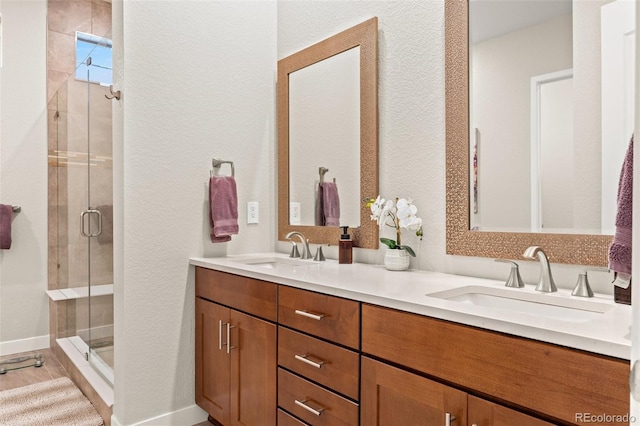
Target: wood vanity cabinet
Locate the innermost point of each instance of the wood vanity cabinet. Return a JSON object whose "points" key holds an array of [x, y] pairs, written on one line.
{"points": [[545, 380], [318, 358], [235, 351], [270, 354]]}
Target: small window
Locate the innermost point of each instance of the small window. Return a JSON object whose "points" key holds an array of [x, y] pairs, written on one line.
{"points": [[93, 59]]}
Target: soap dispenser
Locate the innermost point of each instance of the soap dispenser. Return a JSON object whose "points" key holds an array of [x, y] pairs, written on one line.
{"points": [[345, 247]]}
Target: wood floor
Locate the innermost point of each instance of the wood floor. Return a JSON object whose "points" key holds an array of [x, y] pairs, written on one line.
{"points": [[52, 369]]}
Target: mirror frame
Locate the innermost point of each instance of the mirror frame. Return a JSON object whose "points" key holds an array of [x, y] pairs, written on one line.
{"points": [[364, 35], [560, 248]]}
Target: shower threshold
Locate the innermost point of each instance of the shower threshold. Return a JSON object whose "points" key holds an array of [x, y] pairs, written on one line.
{"points": [[94, 373]]}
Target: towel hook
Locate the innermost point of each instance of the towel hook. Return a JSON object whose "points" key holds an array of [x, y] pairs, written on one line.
{"points": [[217, 163], [16, 209], [115, 94]]}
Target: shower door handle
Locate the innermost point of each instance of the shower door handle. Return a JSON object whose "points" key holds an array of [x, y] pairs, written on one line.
{"points": [[82, 221]]}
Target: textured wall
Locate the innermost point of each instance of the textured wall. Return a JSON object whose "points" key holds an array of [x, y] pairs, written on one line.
{"points": [[23, 170], [412, 127], [197, 83]]}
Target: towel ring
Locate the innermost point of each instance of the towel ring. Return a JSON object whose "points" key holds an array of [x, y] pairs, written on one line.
{"points": [[217, 163], [322, 171]]}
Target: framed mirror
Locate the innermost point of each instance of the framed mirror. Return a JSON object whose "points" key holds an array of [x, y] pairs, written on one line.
{"points": [[461, 137], [328, 137]]}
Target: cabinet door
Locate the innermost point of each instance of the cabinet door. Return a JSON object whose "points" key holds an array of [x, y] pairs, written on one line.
{"points": [[253, 370], [485, 413], [212, 361], [391, 396]]}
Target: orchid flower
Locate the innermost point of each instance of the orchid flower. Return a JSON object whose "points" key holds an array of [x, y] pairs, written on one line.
{"points": [[399, 214]]}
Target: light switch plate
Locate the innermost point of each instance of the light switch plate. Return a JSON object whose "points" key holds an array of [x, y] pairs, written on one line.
{"points": [[253, 212], [294, 213]]}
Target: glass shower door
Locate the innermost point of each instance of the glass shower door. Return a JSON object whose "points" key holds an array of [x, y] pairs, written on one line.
{"points": [[97, 228], [83, 165]]}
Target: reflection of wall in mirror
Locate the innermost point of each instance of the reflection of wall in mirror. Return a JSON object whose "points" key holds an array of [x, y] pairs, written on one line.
{"points": [[587, 115], [501, 71], [324, 131]]}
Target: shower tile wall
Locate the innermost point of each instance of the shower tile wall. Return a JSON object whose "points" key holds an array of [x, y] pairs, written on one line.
{"points": [[67, 146]]}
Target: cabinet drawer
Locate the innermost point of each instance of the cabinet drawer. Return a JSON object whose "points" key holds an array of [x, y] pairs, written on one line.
{"points": [[322, 362], [286, 419], [245, 294], [329, 317], [546, 378], [301, 398]]}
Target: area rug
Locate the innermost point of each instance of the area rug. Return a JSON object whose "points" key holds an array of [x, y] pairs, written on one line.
{"points": [[54, 402]]}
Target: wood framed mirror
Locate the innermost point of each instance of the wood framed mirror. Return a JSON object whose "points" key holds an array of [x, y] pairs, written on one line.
{"points": [[357, 152], [579, 249]]}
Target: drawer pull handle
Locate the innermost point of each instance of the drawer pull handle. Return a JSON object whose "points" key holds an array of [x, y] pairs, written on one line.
{"points": [[448, 418], [305, 359], [304, 405], [309, 315], [220, 334], [229, 347]]}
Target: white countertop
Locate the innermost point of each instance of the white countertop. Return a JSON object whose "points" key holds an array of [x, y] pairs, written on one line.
{"points": [[606, 333]]}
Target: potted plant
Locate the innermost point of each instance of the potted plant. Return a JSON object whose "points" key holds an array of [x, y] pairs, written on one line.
{"points": [[397, 214]]}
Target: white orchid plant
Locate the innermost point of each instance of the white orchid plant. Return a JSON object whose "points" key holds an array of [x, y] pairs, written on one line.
{"points": [[397, 214]]}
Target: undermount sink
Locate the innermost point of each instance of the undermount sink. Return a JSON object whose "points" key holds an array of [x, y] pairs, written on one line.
{"points": [[546, 305], [274, 262]]}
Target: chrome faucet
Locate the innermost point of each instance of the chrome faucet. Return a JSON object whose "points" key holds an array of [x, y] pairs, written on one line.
{"points": [[545, 284], [306, 252]]}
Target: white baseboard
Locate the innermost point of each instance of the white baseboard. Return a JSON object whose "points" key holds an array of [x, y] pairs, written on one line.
{"points": [[24, 345], [185, 416]]}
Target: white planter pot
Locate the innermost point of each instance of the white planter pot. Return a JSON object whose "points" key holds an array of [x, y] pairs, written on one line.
{"points": [[396, 260]]}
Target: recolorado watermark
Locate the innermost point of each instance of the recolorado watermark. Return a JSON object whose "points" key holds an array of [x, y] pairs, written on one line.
{"points": [[604, 418]]}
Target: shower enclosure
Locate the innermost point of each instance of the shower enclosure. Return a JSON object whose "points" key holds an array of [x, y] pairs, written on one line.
{"points": [[80, 206]]}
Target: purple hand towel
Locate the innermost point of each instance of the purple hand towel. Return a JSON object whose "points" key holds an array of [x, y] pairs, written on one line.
{"points": [[330, 204], [223, 208], [620, 248], [5, 226]]}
